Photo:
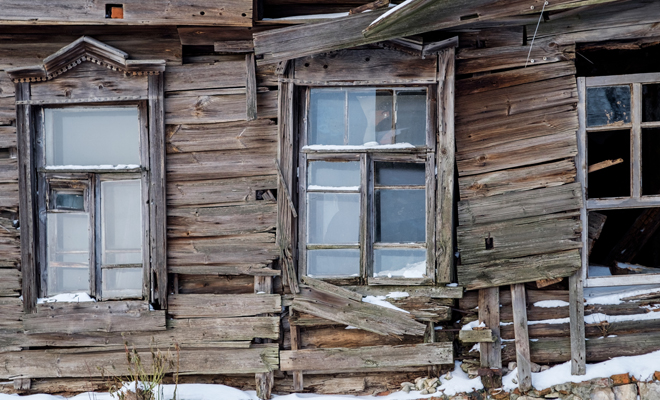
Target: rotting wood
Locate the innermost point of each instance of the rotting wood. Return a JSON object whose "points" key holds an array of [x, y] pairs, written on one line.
{"points": [[336, 359], [519, 306], [330, 289], [369, 317], [222, 306], [604, 164], [596, 224], [476, 336], [95, 363], [374, 5], [541, 283]]}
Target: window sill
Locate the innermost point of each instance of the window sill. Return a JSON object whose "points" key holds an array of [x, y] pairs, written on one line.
{"points": [[622, 280], [400, 281]]}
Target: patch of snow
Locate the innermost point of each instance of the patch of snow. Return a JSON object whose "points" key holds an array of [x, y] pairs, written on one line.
{"points": [[621, 293], [474, 324], [595, 318], [311, 16], [332, 188], [350, 327], [390, 11], [551, 303], [397, 295], [641, 367], [86, 167], [476, 347], [452, 285], [415, 270], [66, 298], [326, 147], [380, 301]]}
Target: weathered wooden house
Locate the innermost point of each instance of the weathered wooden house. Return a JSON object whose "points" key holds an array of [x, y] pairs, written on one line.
{"points": [[238, 177]]}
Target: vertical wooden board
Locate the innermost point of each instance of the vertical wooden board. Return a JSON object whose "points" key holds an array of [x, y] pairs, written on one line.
{"points": [[576, 315], [489, 314], [445, 165], [519, 304], [251, 87]]}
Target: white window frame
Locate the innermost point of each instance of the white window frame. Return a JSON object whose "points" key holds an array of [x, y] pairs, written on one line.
{"points": [[636, 199]]}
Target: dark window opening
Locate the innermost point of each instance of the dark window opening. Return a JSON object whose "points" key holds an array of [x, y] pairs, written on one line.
{"points": [[613, 181], [616, 58], [114, 11]]}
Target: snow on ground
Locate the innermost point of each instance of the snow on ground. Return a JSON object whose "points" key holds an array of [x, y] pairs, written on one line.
{"points": [[551, 303], [81, 297], [641, 367]]}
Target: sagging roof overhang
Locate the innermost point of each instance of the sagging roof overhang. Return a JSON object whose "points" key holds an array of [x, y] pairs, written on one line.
{"points": [[410, 18]]}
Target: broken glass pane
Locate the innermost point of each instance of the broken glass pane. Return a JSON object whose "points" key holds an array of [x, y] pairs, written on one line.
{"points": [[609, 146], [122, 282], [327, 121], [609, 105], [326, 174], [400, 215], [333, 262], [121, 216], [651, 102], [92, 136], [370, 117], [333, 218], [411, 117], [396, 174], [405, 263]]}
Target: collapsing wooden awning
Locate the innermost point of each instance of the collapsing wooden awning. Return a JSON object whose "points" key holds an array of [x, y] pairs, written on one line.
{"points": [[412, 17]]}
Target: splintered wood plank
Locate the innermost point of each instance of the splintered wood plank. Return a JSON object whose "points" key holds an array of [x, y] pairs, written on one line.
{"points": [[205, 106], [369, 317], [365, 65], [519, 205], [596, 224], [155, 12], [218, 191], [113, 316], [519, 305], [219, 165], [210, 75], [517, 180], [10, 281], [514, 77], [330, 289], [337, 359], [256, 248], [518, 270], [220, 221], [222, 306], [259, 134], [95, 363], [519, 237]]}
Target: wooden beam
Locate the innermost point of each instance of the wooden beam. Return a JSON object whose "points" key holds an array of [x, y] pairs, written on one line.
{"points": [[330, 289], [477, 336], [576, 315], [604, 164], [251, 87], [489, 314], [519, 305], [337, 359]]}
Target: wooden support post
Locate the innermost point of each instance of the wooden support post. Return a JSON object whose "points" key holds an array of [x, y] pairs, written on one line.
{"points": [[576, 314], [251, 87], [519, 305], [295, 345], [264, 380], [489, 314]]}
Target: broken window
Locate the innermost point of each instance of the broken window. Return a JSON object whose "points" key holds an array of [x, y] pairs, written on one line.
{"points": [[619, 146], [367, 179], [89, 163]]}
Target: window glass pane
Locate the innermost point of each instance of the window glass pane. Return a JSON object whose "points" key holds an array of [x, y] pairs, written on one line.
{"points": [[335, 262], [400, 215], [70, 201], [333, 218], [396, 174], [122, 282], [406, 263], [613, 181], [411, 117], [609, 105], [650, 161], [333, 174], [651, 102], [327, 120], [67, 246], [121, 216], [370, 116], [92, 136]]}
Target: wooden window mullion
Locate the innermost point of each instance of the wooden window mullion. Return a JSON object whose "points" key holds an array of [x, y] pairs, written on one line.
{"points": [[366, 197], [636, 148]]}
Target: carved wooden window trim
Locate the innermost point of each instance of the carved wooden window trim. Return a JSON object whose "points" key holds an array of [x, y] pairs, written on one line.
{"points": [[151, 106]]}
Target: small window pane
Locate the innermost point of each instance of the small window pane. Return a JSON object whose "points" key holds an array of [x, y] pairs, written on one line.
{"points": [[613, 181], [92, 136], [608, 105], [335, 262], [400, 216], [396, 174], [403, 263], [411, 117], [122, 282], [325, 174], [121, 213], [650, 161], [70, 201], [68, 239], [333, 218], [327, 111], [370, 116], [651, 102]]}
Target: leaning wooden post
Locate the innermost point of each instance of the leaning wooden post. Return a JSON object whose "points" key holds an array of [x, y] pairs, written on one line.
{"points": [[519, 305], [491, 353], [295, 345], [264, 380]]}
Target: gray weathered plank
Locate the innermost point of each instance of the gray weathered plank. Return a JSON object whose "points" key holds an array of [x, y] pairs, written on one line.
{"points": [[228, 73], [476, 336], [251, 87], [257, 248], [10, 281], [205, 106], [220, 221], [261, 133], [519, 305], [489, 312], [367, 357], [434, 292], [222, 306], [217, 191], [219, 165]]}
